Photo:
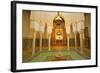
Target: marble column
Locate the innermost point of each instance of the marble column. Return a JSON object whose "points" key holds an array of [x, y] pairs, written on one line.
{"points": [[75, 40], [81, 41], [34, 39], [49, 43], [68, 42], [40, 42]]}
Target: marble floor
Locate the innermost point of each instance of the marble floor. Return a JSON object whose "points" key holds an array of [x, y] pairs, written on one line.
{"points": [[58, 55], [63, 55]]}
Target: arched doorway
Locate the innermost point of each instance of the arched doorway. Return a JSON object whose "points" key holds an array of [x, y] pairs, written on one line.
{"points": [[59, 36]]}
